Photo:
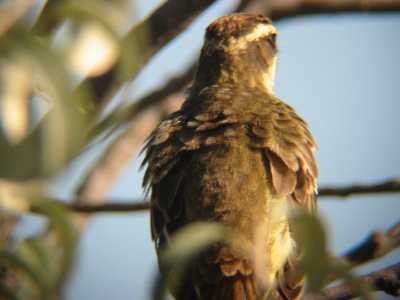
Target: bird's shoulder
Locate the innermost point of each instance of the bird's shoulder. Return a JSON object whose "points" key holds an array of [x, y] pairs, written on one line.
{"points": [[289, 148]]}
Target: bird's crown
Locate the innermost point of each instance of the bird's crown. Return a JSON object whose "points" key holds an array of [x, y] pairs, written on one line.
{"points": [[238, 29]]}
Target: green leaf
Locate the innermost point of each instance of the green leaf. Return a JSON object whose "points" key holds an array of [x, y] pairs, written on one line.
{"points": [[315, 259], [182, 248], [46, 259], [46, 148], [15, 261]]}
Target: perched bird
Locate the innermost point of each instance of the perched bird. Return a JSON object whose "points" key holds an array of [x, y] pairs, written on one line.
{"points": [[237, 155]]}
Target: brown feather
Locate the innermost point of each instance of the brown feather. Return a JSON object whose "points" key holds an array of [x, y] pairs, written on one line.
{"points": [[283, 178]]}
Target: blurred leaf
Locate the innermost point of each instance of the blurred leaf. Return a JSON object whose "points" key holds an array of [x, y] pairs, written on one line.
{"points": [[14, 195], [46, 21], [319, 266], [45, 259], [92, 51], [44, 149], [190, 240], [18, 263], [315, 260], [7, 224], [112, 15], [11, 11], [65, 234], [183, 247], [14, 105]]}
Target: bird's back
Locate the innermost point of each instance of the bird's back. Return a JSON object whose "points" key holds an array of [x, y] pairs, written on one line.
{"points": [[220, 159]]}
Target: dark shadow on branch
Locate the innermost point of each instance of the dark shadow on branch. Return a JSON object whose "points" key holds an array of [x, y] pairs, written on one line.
{"points": [[386, 280], [377, 245]]}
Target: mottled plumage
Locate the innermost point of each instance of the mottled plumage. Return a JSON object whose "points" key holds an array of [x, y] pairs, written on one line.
{"points": [[237, 155]]}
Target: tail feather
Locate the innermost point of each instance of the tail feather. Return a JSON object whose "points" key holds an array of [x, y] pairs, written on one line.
{"points": [[226, 277], [232, 288], [236, 288]]}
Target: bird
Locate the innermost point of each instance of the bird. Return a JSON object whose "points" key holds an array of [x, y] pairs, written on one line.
{"points": [[236, 155]]}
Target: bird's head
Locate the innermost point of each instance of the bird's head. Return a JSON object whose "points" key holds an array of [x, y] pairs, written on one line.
{"points": [[239, 48]]}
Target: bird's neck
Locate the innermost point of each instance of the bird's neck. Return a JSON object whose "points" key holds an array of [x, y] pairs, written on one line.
{"points": [[236, 70]]}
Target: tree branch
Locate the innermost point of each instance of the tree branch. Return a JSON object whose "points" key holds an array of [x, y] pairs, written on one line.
{"points": [[389, 186], [386, 280], [377, 245], [108, 207], [288, 9], [130, 112]]}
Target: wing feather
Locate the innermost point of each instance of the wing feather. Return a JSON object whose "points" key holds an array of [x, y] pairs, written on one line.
{"points": [[289, 149], [167, 152]]}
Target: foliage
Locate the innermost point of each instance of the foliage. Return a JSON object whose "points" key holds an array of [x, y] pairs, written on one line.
{"points": [[37, 267], [47, 109]]}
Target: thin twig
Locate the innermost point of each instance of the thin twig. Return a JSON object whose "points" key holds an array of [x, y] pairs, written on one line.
{"points": [[135, 206], [386, 280], [389, 186], [288, 9]]}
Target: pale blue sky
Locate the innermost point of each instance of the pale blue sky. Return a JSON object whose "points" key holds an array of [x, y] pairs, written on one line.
{"points": [[341, 74]]}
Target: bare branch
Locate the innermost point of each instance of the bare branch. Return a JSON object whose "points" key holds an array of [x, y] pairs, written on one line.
{"points": [[106, 175], [287, 9], [389, 186], [101, 177], [377, 245], [386, 280], [129, 113], [135, 206]]}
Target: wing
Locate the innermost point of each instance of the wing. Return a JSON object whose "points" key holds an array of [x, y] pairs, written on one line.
{"points": [[167, 155], [289, 148], [163, 156]]}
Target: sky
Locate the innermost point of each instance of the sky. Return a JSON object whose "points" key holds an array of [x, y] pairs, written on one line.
{"points": [[341, 75]]}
